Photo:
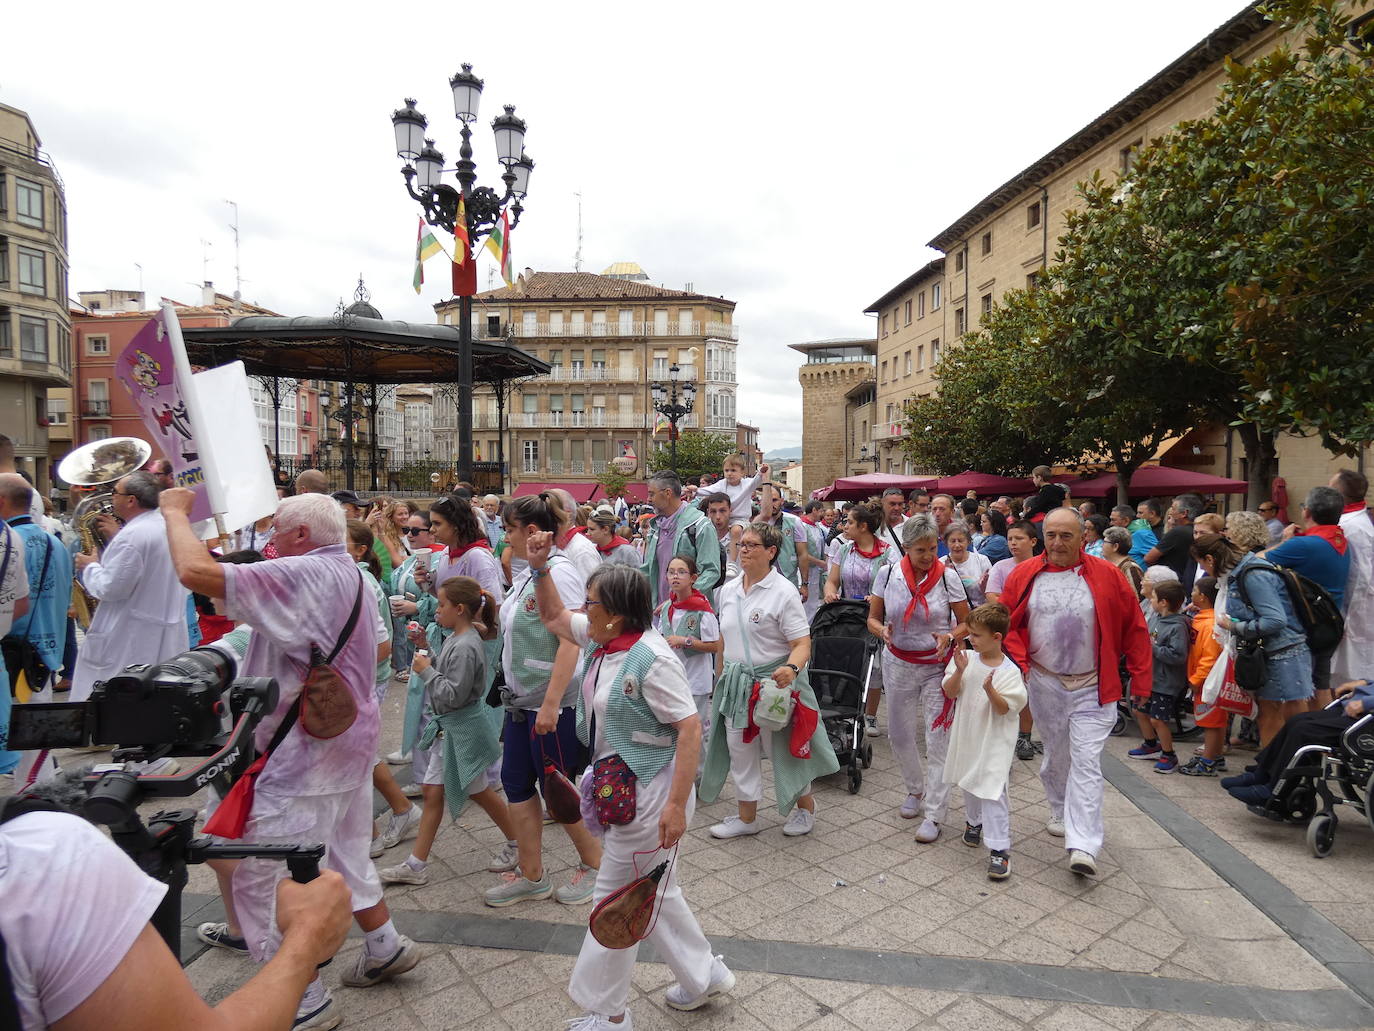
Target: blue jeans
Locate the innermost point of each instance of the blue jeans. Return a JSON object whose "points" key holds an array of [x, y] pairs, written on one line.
{"points": [[8, 760], [1290, 675]]}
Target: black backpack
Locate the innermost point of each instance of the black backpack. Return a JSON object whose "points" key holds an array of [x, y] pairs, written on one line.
{"points": [[692, 539], [1317, 611]]}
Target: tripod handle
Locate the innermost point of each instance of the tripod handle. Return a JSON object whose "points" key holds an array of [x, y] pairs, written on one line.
{"points": [[304, 868]]}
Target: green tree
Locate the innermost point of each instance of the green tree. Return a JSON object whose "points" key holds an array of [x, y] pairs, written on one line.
{"points": [[698, 453], [612, 481]]}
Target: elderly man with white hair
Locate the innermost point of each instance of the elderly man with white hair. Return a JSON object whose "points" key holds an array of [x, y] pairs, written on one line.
{"points": [[312, 789], [1073, 618]]}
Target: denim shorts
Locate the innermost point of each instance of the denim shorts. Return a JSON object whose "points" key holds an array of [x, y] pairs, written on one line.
{"points": [[1290, 675], [524, 752]]}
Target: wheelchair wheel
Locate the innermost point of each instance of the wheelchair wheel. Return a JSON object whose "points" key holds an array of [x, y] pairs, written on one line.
{"points": [[1321, 834], [1119, 727], [1369, 801], [856, 778], [1301, 803]]}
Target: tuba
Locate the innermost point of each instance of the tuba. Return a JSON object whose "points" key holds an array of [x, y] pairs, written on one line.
{"points": [[93, 465]]}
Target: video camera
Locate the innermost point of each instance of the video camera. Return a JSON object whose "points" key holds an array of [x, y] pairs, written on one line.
{"points": [[176, 708]]}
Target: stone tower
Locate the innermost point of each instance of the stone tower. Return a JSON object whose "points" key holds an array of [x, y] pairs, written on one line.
{"points": [[831, 419]]}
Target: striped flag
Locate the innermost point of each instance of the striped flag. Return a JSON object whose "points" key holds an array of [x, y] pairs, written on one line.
{"points": [[499, 245], [464, 268], [426, 246], [661, 423]]}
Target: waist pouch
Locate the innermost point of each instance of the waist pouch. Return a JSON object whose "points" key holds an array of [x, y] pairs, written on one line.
{"points": [[613, 791]]}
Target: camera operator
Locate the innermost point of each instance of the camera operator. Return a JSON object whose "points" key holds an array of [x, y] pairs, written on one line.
{"points": [[311, 789], [82, 956]]}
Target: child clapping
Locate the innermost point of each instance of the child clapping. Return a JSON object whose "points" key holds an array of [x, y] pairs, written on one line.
{"points": [[982, 742]]}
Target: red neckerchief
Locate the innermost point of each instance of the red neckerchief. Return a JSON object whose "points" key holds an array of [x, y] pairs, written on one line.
{"points": [[459, 550], [919, 591], [1333, 535], [623, 643], [563, 544], [696, 602], [878, 548], [1050, 567], [809, 522], [616, 541], [1354, 506]]}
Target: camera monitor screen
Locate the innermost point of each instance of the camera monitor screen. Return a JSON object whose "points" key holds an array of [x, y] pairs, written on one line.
{"points": [[48, 725]]}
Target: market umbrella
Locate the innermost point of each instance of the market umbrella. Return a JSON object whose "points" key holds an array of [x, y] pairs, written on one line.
{"points": [[1158, 480]]}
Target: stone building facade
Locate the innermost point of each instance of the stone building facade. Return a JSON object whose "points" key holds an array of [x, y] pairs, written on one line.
{"points": [[837, 384]]}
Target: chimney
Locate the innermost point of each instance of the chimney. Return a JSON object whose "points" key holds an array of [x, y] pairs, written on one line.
{"points": [[207, 294]]}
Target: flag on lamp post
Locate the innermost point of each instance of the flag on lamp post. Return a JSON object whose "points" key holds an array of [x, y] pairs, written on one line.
{"points": [[426, 246], [499, 245], [464, 268]]}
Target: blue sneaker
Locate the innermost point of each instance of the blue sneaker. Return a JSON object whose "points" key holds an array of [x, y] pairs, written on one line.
{"points": [[1168, 762], [1147, 750]]}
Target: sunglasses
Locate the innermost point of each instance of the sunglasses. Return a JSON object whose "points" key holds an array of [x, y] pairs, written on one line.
{"points": [[415, 531]]}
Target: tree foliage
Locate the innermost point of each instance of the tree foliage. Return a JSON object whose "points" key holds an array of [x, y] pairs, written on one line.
{"points": [[1228, 276], [613, 481], [698, 453]]}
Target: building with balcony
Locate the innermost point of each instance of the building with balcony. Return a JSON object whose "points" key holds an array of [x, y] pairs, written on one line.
{"points": [[909, 327], [35, 331], [606, 338], [837, 384]]}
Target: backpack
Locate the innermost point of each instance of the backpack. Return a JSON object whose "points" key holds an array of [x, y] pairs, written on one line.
{"points": [[692, 539], [1317, 611]]}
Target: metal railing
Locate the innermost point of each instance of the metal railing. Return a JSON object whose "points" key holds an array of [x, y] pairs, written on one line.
{"points": [[95, 408], [715, 330]]}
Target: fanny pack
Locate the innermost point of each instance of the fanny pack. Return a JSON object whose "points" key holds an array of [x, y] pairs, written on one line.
{"points": [[613, 791], [326, 710]]}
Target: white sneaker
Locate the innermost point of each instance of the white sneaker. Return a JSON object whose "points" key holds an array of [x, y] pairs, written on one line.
{"points": [[911, 808], [403, 873], [734, 827], [871, 728], [507, 859], [1082, 864], [400, 826], [799, 821], [324, 1017], [722, 980], [1055, 827], [398, 758], [927, 832], [368, 971], [412, 790], [596, 1022]]}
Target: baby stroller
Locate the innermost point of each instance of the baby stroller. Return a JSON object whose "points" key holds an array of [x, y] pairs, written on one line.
{"points": [[1320, 777], [841, 656]]}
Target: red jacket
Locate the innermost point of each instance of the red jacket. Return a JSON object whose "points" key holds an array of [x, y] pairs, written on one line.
{"points": [[1120, 624]]}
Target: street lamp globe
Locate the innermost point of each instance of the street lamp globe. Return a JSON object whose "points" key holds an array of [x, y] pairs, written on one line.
{"points": [[522, 170], [409, 125], [467, 94], [656, 389], [428, 166], [689, 391], [510, 136]]}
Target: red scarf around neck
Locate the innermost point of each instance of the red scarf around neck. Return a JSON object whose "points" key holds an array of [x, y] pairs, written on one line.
{"points": [[1333, 535], [616, 542], [878, 548], [809, 522], [1354, 506], [919, 590], [622, 643], [459, 550], [696, 602]]}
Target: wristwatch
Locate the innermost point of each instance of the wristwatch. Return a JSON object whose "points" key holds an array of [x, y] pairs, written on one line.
{"points": [[793, 668]]}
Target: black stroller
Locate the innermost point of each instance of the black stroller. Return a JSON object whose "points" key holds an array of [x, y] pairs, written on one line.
{"points": [[842, 653]]}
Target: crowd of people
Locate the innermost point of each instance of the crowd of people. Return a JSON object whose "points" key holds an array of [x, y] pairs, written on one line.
{"points": [[607, 669]]}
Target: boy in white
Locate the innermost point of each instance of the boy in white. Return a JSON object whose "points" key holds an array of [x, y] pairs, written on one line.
{"points": [[740, 488], [982, 742]]}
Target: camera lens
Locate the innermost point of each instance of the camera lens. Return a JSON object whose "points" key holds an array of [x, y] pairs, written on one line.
{"points": [[207, 665]]}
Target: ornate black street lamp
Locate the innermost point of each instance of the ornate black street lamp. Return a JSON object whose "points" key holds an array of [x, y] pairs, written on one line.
{"points": [[875, 458], [482, 205], [666, 402]]}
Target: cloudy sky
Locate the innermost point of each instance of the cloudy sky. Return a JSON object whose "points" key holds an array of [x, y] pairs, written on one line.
{"points": [[793, 158]]}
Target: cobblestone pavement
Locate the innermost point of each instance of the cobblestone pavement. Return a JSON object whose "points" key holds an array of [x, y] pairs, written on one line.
{"points": [[858, 926]]}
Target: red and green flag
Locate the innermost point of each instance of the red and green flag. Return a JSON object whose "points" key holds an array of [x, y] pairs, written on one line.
{"points": [[426, 246], [499, 245]]}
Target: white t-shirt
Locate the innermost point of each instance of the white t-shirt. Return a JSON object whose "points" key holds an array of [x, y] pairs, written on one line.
{"points": [[666, 690], [15, 584], [741, 496], [971, 571], [937, 617], [997, 578], [73, 906], [1062, 623], [771, 613], [982, 744], [583, 554]]}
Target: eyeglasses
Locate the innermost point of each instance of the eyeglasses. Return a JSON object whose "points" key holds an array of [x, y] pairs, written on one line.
{"points": [[749, 545], [126, 494], [415, 531], [588, 603]]}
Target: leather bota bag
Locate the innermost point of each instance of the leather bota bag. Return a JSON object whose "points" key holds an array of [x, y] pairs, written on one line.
{"points": [[623, 917], [328, 707]]}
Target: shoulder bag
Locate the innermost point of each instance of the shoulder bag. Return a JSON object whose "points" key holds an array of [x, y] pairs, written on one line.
{"points": [[773, 708]]}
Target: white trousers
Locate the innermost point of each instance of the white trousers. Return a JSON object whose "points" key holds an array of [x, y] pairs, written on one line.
{"points": [[1074, 728], [914, 700], [746, 764], [341, 822], [601, 977], [993, 816], [704, 714]]}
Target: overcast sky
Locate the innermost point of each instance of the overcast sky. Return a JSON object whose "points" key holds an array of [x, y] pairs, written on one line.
{"points": [[793, 158]]}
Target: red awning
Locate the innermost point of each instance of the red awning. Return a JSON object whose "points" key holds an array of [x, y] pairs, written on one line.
{"points": [[582, 493], [1158, 480], [857, 488], [985, 484]]}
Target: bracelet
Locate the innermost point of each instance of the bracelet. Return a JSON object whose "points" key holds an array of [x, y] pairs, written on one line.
{"points": [[540, 573], [793, 668]]}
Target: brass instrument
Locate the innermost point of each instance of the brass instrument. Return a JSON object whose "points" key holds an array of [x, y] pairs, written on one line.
{"points": [[92, 465]]}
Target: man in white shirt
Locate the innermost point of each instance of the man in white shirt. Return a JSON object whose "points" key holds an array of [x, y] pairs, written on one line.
{"points": [[312, 788], [1354, 658], [893, 518], [14, 603], [142, 612]]}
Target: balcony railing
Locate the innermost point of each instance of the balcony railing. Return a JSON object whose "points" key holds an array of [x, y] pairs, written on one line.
{"points": [[96, 409], [888, 431], [715, 330]]}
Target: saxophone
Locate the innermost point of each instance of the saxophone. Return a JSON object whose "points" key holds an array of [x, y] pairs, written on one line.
{"points": [[93, 541]]}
